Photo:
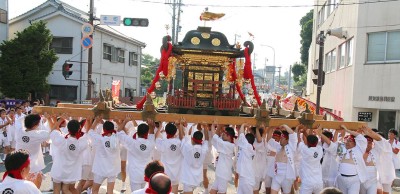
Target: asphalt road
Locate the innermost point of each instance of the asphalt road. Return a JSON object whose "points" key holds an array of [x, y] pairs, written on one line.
{"points": [[117, 189]]}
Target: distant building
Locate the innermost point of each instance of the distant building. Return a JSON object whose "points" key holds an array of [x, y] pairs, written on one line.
{"points": [[362, 69], [3, 20], [115, 56]]}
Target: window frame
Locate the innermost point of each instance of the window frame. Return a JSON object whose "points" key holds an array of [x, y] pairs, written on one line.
{"points": [[3, 16], [63, 49], [107, 55], [62, 90], [121, 59], [385, 60], [133, 59]]}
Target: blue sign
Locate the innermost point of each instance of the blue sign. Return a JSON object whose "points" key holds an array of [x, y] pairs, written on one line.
{"points": [[87, 42]]}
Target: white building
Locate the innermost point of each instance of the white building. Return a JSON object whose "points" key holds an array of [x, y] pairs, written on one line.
{"points": [[361, 69], [115, 56], [3, 20]]}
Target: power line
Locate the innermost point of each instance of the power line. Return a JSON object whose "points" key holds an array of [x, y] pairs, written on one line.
{"points": [[273, 6]]}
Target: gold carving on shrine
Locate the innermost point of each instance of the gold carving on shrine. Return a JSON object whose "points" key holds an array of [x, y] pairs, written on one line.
{"points": [[203, 59]]}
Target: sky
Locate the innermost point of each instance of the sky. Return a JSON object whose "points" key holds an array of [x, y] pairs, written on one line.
{"points": [[275, 23]]}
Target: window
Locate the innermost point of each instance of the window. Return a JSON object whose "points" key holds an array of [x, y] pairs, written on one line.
{"points": [[330, 60], [333, 60], [133, 59], [328, 8], [65, 93], [327, 62], [107, 51], [121, 56], [342, 55], [3, 16], [62, 45], [383, 46], [349, 52]]}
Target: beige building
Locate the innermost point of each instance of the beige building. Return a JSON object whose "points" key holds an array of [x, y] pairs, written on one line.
{"points": [[362, 68]]}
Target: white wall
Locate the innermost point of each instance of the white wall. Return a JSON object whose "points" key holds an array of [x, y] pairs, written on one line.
{"points": [[63, 25]]}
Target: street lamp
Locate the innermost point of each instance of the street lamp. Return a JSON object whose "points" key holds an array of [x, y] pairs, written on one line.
{"points": [[273, 77]]}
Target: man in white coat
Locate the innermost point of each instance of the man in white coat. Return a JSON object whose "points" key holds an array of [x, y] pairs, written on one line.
{"points": [[17, 165], [140, 147], [284, 162], [352, 168]]}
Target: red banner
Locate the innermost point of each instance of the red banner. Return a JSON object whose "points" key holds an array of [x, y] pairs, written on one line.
{"points": [[116, 85]]}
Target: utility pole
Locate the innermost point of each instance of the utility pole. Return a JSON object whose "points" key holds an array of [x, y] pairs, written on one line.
{"points": [[173, 21], [178, 27], [320, 41], [279, 78], [90, 56]]}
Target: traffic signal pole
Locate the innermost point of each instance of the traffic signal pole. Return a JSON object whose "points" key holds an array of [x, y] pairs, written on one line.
{"points": [[320, 41], [90, 56]]}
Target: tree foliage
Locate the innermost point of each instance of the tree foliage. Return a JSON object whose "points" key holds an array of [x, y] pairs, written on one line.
{"points": [[306, 24], [26, 61], [298, 70]]}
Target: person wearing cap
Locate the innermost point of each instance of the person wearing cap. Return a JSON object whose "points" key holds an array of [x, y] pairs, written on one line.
{"points": [[223, 141], [352, 168], [171, 155], [376, 155], [310, 165], [284, 162], [329, 162], [67, 169], [30, 138], [245, 165], [17, 166], [271, 146], [194, 151], [107, 161]]}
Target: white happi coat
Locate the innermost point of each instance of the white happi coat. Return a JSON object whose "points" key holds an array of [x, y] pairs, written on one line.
{"points": [[107, 160], [329, 163], [357, 155], [171, 156], [192, 164], [16, 186], [32, 141], [68, 167], [290, 150], [139, 155]]}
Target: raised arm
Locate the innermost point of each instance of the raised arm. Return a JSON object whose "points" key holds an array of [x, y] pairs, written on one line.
{"points": [[323, 137], [206, 134], [258, 135], [354, 133], [368, 131]]}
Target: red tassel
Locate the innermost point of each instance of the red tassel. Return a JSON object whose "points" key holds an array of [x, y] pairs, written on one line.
{"points": [[163, 67], [248, 74]]}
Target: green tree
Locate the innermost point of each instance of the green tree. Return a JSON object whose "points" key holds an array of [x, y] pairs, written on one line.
{"points": [[306, 24], [26, 62], [298, 70]]}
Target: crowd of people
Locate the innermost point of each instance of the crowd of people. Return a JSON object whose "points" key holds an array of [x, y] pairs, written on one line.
{"points": [[158, 157]]}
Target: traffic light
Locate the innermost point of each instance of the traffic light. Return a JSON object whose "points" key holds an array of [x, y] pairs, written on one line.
{"points": [[66, 70], [315, 80], [140, 22]]}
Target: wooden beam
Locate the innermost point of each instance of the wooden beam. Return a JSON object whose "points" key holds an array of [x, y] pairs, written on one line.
{"points": [[171, 117], [69, 105]]}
